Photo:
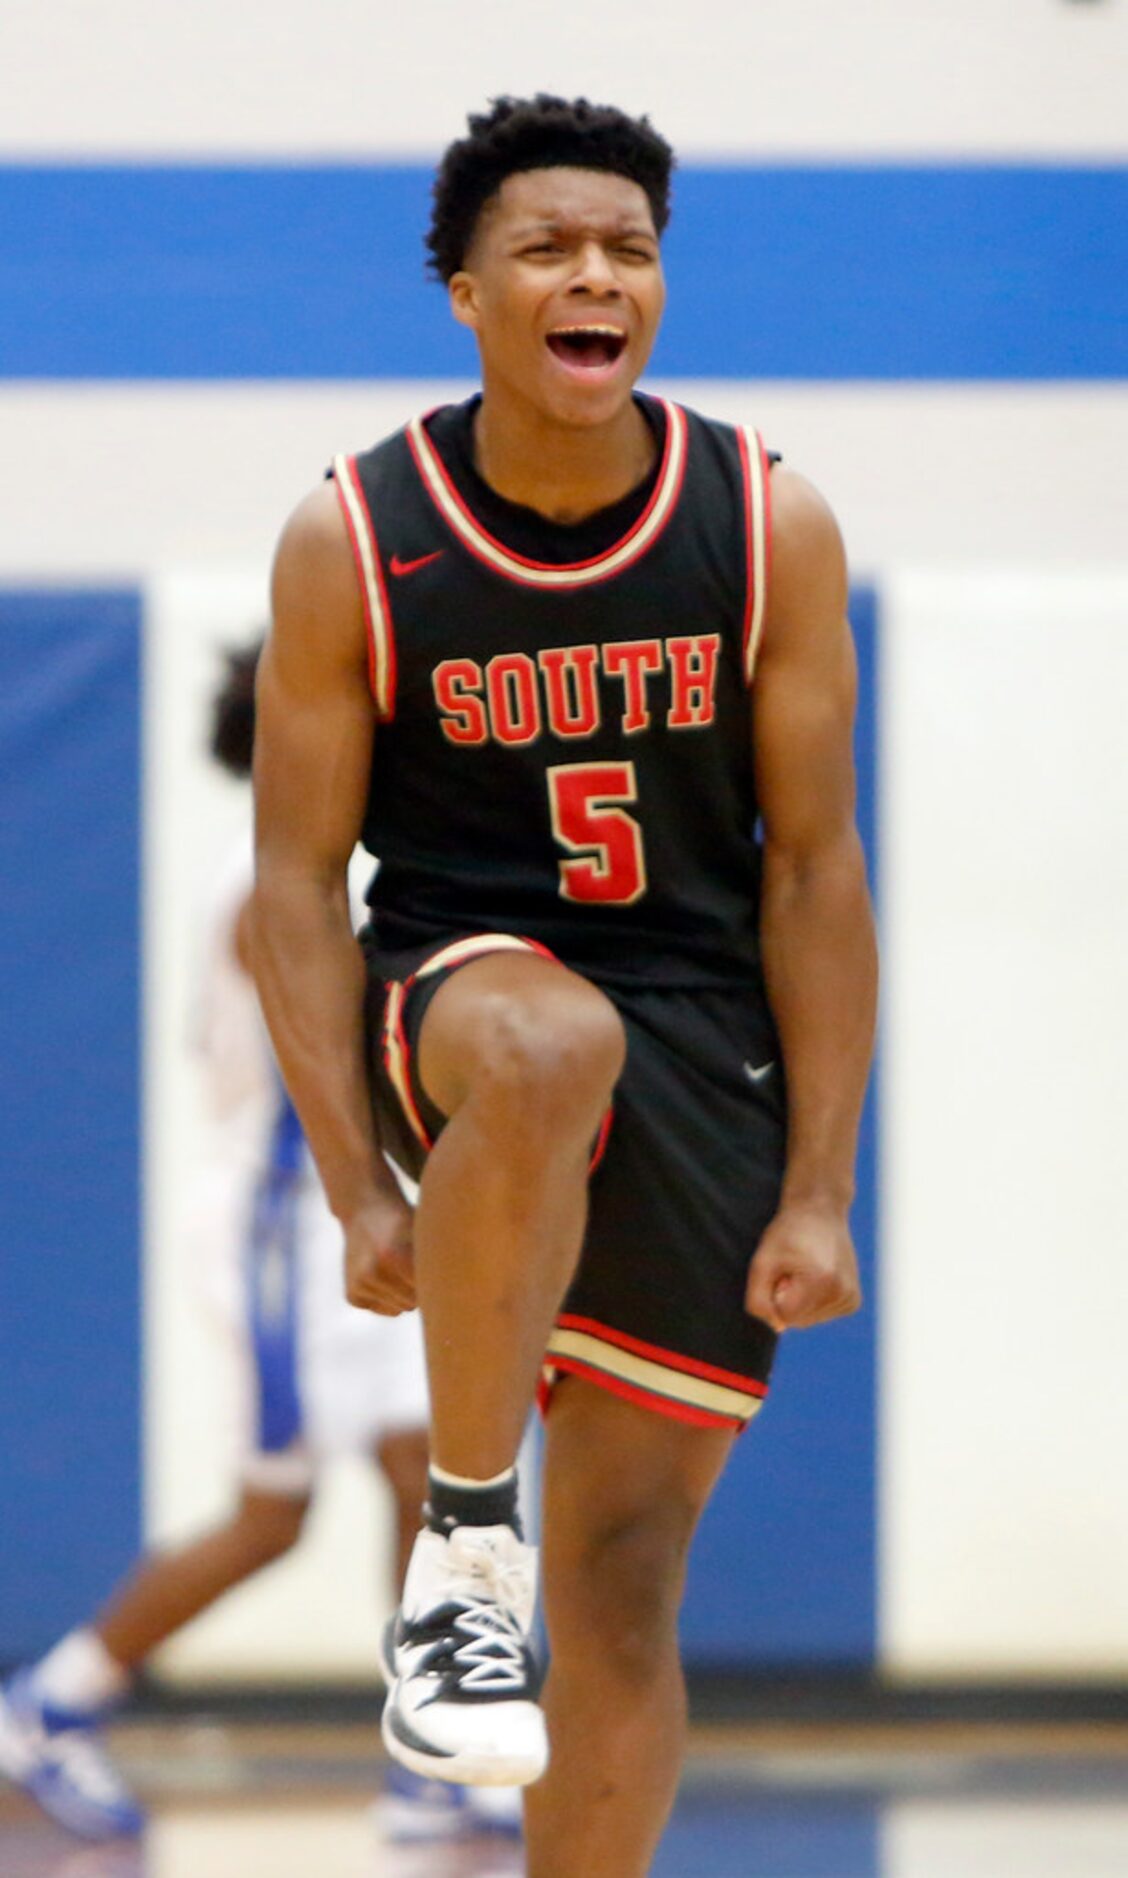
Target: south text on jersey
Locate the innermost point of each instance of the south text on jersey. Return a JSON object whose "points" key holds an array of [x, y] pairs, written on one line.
{"points": [[571, 691]]}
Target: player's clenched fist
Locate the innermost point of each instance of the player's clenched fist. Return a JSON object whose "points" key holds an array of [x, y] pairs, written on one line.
{"points": [[379, 1274], [805, 1270]]}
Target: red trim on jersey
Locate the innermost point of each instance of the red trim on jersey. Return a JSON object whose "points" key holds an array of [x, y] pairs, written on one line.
{"points": [[358, 562], [435, 961], [389, 623], [406, 1094], [749, 549], [674, 417], [669, 1359], [601, 1139], [386, 713], [630, 1392], [766, 476]]}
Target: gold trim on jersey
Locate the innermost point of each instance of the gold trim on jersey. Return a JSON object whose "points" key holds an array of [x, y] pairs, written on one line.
{"points": [[461, 950], [758, 522], [395, 1061], [376, 611], [534, 573]]}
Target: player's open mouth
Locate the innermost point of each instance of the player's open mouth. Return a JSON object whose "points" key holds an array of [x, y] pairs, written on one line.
{"points": [[592, 347]]}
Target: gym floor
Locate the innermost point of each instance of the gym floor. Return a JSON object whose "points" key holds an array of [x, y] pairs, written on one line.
{"points": [[238, 1799]]}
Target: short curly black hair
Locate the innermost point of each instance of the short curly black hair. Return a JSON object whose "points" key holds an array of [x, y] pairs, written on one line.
{"points": [[535, 134], [232, 740]]}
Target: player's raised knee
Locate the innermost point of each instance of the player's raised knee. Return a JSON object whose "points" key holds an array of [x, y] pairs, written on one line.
{"points": [[526, 1038], [560, 1048]]}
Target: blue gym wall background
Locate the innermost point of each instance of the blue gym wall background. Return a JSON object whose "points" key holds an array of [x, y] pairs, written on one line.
{"points": [[210, 280]]}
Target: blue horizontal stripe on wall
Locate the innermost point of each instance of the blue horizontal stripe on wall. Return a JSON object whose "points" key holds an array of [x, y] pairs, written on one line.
{"points": [[971, 272]]}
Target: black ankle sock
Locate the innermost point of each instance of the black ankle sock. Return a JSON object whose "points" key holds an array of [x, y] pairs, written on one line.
{"points": [[448, 1506]]}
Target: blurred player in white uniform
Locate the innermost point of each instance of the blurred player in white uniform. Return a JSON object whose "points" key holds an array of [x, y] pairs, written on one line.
{"points": [[317, 1378]]}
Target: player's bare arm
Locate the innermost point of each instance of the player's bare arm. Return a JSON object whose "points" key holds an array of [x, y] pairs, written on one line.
{"points": [[313, 753], [817, 930]]}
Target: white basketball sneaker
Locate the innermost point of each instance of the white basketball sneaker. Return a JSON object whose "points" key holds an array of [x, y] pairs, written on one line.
{"points": [[462, 1682]]}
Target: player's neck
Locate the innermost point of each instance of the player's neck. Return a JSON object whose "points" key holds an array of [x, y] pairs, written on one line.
{"points": [[564, 472]]}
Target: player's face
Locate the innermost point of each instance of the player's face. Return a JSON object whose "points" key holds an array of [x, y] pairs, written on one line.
{"points": [[563, 287]]}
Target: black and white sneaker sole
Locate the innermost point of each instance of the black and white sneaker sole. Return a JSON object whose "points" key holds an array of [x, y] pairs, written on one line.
{"points": [[470, 1767]]}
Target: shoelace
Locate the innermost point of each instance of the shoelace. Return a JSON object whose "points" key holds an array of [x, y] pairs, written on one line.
{"points": [[493, 1659]]}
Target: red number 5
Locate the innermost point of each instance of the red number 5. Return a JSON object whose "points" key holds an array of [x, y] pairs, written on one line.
{"points": [[610, 868]]}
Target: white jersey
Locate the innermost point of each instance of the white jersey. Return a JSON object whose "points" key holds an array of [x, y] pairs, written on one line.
{"points": [[319, 1376]]}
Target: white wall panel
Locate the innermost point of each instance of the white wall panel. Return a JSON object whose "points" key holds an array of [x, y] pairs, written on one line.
{"points": [[363, 77], [114, 479], [341, 1570], [983, 1838], [1005, 1250]]}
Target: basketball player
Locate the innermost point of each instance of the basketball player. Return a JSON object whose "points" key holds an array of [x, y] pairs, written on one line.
{"points": [[320, 1378], [575, 662]]}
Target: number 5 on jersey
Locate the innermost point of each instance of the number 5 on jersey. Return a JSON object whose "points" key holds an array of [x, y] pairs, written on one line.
{"points": [[609, 868]]}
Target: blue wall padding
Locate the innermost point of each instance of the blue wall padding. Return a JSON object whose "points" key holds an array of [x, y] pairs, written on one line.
{"points": [[70, 1358], [784, 1569]]}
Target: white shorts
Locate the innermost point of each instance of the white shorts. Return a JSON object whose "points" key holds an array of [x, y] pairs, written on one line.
{"points": [[315, 1376]]}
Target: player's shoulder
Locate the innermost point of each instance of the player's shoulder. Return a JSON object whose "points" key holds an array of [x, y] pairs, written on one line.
{"points": [[314, 529], [808, 579], [802, 518], [316, 602]]}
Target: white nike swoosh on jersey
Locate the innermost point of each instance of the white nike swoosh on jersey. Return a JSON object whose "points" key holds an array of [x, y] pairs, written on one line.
{"points": [[757, 1075]]}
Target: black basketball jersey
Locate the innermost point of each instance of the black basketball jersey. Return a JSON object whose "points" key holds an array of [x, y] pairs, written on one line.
{"points": [[563, 747]]}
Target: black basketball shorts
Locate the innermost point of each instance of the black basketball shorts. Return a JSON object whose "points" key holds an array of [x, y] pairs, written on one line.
{"points": [[685, 1177]]}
